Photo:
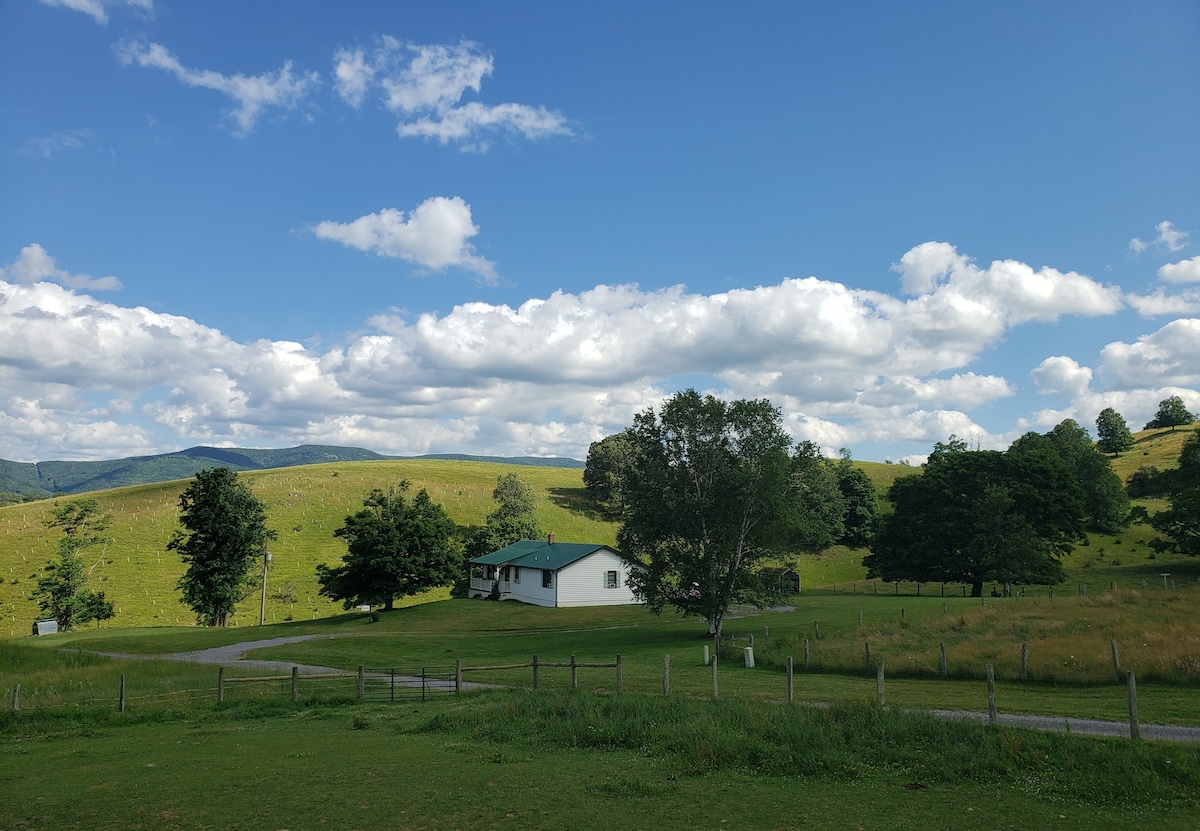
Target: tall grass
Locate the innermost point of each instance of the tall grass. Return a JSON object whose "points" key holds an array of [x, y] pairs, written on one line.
{"points": [[838, 742]]}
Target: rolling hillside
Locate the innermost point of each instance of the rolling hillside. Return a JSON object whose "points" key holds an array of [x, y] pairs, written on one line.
{"points": [[307, 502]]}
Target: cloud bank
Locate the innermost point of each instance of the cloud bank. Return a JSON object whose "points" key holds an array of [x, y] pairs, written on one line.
{"points": [[847, 366]]}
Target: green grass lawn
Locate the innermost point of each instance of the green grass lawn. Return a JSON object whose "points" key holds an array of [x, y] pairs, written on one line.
{"points": [[555, 760]]}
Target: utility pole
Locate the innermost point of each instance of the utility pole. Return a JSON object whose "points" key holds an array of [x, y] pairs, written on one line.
{"points": [[262, 609]]}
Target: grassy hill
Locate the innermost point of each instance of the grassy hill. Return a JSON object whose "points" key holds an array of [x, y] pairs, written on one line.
{"points": [[307, 502], [304, 505]]}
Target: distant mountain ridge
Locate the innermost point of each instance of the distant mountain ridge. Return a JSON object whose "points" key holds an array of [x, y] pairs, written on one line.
{"points": [[46, 478]]}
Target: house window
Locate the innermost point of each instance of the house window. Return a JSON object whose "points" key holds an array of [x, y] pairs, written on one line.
{"points": [[516, 574], [547, 579], [610, 579]]}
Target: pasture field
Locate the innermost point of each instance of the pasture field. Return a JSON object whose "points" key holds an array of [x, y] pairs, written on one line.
{"points": [[570, 759]]}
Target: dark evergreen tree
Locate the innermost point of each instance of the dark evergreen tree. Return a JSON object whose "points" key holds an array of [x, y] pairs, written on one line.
{"points": [[224, 536]]}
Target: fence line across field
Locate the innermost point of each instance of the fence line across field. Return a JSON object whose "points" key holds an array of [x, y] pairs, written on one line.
{"points": [[392, 683]]}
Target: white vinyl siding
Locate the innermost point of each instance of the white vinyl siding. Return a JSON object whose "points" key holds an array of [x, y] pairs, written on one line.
{"points": [[583, 582]]}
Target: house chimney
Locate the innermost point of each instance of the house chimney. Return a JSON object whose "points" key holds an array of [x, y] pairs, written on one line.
{"points": [[550, 538]]}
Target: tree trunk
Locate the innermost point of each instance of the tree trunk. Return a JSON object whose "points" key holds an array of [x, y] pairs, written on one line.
{"points": [[977, 588], [389, 604]]}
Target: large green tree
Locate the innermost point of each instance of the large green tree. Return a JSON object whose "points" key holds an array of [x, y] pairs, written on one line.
{"points": [[716, 489], [607, 465], [974, 516], [862, 504], [60, 593], [1105, 499], [1112, 433], [514, 517], [224, 536], [1181, 521], [1171, 413], [396, 547]]}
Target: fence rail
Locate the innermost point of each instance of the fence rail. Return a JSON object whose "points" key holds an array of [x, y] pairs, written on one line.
{"points": [[394, 684]]}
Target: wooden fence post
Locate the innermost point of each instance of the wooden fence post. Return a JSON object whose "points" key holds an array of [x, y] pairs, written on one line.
{"points": [[16, 698], [1024, 660], [220, 684], [574, 674], [666, 674], [806, 654], [295, 683], [879, 682], [817, 629], [361, 686], [766, 637], [1116, 661], [121, 698], [860, 618], [1135, 732], [458, 675], [942, 661], [791, 687], [868, 651], [991, 690], [535, 672], [714, 676], [620, 677]]}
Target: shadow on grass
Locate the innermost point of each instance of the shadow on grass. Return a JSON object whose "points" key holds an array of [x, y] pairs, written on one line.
{"points": [[579, 501]]}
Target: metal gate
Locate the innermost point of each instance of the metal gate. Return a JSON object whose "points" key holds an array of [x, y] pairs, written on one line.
{"points": [[406, 683]]}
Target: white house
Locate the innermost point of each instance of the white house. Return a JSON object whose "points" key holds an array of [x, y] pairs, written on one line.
{"points": [[549, 573]]}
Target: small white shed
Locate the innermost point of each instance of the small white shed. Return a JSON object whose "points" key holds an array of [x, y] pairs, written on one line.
{"points": [[45, 627]]}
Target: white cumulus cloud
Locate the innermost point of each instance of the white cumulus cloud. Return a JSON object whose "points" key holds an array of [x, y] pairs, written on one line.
{"points": [[1184, 271], [1167, 357], [424, 84], [282, 89], [34, 265], [1061, 375], [435, 235]]}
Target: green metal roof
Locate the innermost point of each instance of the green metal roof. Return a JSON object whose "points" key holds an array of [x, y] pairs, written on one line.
{"points": [[539, 554]]}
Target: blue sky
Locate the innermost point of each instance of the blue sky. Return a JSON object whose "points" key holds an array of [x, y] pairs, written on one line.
{"points": [[504, 228]]}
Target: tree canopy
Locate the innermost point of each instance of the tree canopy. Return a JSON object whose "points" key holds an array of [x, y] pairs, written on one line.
{"points": [[224, 535], [1181, 521], [608, 462], [716, 488], [60, 593], [1171, 413], [1106, 501], [396, 547], [974, 516], [862, 504], [513, 519], [1112, 432]]}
